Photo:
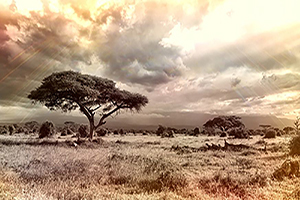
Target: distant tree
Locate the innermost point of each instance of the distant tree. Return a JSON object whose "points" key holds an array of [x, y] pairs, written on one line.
{"points": [[265, 127], [160, 130], [11, 129], [297, 125], [32, 125], [196, 131], [270, 134], [288, 129], [224, 123], [83, 131], [69, 90], [47, 130]]}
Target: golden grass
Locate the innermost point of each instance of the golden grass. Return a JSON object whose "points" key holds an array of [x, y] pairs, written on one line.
{"points": [[142, 167]]}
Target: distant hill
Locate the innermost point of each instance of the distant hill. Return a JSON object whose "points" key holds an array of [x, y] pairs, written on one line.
{"points": [[173, 119]]}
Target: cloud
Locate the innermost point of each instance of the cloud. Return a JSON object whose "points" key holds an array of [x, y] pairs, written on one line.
{"points": [[132, 49], [185, 55], [263, 52], [235, 82]]}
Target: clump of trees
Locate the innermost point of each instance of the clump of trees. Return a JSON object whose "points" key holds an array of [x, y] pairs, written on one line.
{"points": [[225, 124], [69, 90], [32, 126], [288, 130], [47, 130], [164, 131], [239, 132]]}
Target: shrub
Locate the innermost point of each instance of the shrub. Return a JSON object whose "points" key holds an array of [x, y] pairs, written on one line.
{"points": [[238, 133], [223, 134], [122, 132], [11, 129], [47, 130], [196, 131], [270, 134], [3, 130], [288, 169], [160, 130], [295, 146], [32, 124], [101, 132], [83, 130], [21, 130], [168, 133]]}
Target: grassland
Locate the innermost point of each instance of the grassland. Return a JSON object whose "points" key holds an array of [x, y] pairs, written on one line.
{"points": [[143, 167]]}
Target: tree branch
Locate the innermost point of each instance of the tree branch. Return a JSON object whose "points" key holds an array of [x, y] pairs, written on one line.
{"points": [[104, 116], [93, 110], [85, 110]]}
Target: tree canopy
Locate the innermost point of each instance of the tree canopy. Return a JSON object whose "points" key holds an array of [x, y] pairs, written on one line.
{"points": [[224, 123], [69, 90]]}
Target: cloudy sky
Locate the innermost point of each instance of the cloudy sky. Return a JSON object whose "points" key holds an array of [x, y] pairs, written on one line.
{"points": [[217, 57]]}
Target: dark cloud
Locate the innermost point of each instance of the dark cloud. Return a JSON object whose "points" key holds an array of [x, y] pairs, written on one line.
{"points": [[132, 51], [235, 82]]}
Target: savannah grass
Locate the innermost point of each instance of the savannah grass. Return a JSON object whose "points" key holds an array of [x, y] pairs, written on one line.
{"points": [[142, 167]]}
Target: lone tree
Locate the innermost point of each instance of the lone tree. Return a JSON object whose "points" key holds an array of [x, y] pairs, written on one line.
{"points": [[69, 90], [224, 123]]}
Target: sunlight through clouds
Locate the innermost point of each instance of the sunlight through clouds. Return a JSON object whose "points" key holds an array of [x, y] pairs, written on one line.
{"points": [[197, 55]]}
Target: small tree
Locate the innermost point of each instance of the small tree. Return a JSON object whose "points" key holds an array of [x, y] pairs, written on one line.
{"points": [[288, 129], [47, 130], [196, 131], [69, 90], [265, 127]]}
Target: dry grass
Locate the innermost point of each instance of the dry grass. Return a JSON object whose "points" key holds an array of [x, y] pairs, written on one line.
{"points": [[142, 167]]}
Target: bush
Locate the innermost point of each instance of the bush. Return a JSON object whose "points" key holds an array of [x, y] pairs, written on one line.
{"points": [[122, 132], [270, 134], [238, 133], [160, 130], [31, 125], [3, 130], [196, 131], [295, 146], [11, 129], [288, 169], [47, 130], [21, 130], [101, 132], [168, 133], [223, 134], [83, 131]]}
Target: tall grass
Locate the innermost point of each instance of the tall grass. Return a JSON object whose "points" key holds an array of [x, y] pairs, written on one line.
{"points": [[135, 168]]}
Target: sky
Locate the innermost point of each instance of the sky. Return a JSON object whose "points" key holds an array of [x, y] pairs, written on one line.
{"points": [[215, 57]]}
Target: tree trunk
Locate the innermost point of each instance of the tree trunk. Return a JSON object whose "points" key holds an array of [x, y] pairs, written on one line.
{"points": [[92, 127]]}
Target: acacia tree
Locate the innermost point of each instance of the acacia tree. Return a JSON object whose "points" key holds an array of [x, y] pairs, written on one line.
{"points": [[224, 123], [69, 90]]}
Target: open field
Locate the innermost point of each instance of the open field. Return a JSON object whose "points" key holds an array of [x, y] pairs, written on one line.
{"points": [[143, 167]]}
